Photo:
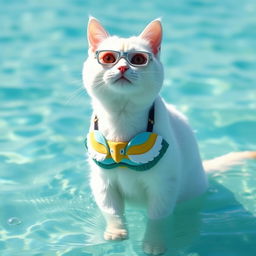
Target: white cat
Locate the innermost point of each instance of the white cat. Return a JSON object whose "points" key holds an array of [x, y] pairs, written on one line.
{"points": [[123, 76]]}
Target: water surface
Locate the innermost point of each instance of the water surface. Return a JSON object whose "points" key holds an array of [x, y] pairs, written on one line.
{"points": [[209, 55]]}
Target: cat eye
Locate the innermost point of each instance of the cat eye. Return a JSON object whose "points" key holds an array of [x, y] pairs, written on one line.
{"points": [[108, 58], [134, 58]]}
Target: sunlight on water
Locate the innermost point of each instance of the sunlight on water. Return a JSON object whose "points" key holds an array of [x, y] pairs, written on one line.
{"points": [[46, 205]]}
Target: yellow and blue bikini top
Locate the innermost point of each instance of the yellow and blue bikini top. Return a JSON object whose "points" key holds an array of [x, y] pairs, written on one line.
{"points": [[140, 153]]}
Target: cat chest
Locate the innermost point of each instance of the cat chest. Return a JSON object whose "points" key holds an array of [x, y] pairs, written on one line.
{"points": [[131, 186]]}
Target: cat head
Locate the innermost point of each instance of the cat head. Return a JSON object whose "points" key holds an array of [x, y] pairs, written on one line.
{"points": [[123, 69]]}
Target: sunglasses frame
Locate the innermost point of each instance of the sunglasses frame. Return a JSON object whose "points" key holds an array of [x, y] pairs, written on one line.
{"points": [[121, 54]]}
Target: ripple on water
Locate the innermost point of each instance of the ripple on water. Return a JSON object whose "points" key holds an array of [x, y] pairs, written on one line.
{"points": [[245, 64], [24, 120], [28, 132], [24, 93], [46, 205], [67, 125]]}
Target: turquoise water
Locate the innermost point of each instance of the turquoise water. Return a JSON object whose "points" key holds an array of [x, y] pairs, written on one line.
{"points": [[209, 55]]}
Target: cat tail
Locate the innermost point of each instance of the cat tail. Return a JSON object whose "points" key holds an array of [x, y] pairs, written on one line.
{"points": [[225, 162]]}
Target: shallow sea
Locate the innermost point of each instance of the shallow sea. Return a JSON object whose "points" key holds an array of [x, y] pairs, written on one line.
{"points": [[209, 55]]}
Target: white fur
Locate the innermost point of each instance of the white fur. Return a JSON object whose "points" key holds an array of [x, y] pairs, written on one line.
{"points": [[122, 110], [178, 176]]}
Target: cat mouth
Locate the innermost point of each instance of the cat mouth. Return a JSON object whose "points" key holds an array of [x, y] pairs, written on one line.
{"points": [[123, 79]]}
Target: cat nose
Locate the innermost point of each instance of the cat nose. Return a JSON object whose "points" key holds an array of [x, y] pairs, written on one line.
{"points": [[123, 69]]}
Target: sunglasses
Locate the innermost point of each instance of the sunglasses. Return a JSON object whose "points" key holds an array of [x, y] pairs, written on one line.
{"points": [[134, 58]]}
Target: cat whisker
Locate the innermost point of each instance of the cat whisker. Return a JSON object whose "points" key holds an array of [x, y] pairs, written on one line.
{"points": [[77, 93], [110, 77], [76, 81], [147, 72], [134, 79], [111, 74], [98, 84], [96, 81]]}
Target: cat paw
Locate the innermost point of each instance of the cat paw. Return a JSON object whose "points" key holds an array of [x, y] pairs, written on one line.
{"points": [[154, 248], [115, 234]]}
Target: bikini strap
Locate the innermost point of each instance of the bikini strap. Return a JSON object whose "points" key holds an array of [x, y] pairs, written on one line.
{"points": [[151, 120], [95, 121]]}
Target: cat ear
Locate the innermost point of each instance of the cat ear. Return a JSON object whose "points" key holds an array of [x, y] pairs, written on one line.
{"points": [[153, 34], [95, 33]]}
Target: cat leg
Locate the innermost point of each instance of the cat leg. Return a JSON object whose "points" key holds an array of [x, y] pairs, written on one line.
{"points": [[160, 208], [115, 229], [111, 204], [154, 240]]}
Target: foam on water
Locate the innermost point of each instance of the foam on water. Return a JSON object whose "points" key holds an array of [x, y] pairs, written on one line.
{"points": [[209, 54]]}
